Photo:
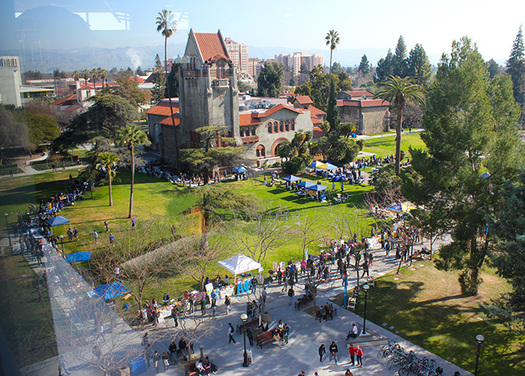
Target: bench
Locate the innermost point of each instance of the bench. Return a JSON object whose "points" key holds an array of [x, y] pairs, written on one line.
{"points": [[264, 338], [190, 369], [299, 303], [247, 325]]}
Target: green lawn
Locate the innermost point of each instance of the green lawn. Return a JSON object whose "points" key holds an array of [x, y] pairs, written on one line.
{"points": [[385, 146], [25, 318], [425, 306]]}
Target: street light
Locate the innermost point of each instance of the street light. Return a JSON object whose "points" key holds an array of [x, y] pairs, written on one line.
{"points": [[244, 319], [365, 289], [7, 228], [479, 339]]}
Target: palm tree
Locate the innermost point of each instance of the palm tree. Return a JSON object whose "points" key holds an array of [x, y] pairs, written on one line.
{"points": [[398, 91], [167, 26], [130, 136], [85, 74], [332, 40], [106, 161], [103, 74], [94, 75]]}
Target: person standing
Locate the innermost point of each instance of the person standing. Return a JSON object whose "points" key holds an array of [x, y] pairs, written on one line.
{"points": [[352, 351], [156, 361], [291, 293], [106, 225], [249, 334], [112, 239], [227, 303], [95, 236], [174, 315], [359, 354], [230, 333], [173, 351], [203, 306], [333, 352], [133, 222], [322, 352]]}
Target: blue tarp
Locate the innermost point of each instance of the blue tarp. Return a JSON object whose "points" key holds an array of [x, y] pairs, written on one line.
{"points": [[239, 169], [111, 290], [78, 257], [291, 178], [57, 221], [305, 184]]}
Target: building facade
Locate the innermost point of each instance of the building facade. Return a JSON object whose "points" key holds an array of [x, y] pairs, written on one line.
{"points": [[294, 62], [238, 53], [10, 81], [369, 115]]}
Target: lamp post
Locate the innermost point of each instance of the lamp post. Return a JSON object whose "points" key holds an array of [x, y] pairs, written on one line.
{"points": [[244, 318], [479, 339], [365, 289], [7, 228]]}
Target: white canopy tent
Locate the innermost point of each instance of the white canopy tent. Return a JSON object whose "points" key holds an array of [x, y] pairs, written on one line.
{"points": [[239, 264]]}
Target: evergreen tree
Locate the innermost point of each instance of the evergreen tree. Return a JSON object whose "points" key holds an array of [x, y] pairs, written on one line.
{"points": [[364, 66], [516, 69], [494, 68], [419, 67], [385, 67], [173, 81], [140, 72], [400, 59], [317, 87], [160, 81], [269, 82], [472, 146], [332, 115]]}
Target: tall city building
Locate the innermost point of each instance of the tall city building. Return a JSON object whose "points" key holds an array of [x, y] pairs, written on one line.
{"points": [[295, 61], [238, 54], [10, 80]]}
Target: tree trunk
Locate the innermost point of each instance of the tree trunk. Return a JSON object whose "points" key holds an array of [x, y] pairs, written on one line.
{"points": [[175, 133], [132, 181], [110, 190], [398, 138]]}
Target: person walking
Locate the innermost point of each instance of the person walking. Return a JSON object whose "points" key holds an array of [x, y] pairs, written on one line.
{"points": [[352, 351], [333, 352], [322, 352], [173, 352], [95, 236], [147, 353], [203, 306], [106, 225], [174, 315], [230, 333], [291, 293], [359, 354], [227, 303], [156, 361], [249, 334]]}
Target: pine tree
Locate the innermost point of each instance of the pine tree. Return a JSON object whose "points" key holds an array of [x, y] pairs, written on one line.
{"points": [[385, 67], [419, 66], [516, 69], [400, 59], [364, 66]]}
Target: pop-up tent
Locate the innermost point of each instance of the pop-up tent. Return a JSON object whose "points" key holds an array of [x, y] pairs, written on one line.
{"points": [[291, 178], [57, 221], [78, 257], [111, 290], [239, 169], [305, 184], [400, 208], [318, 165], [239, 264], [330, 166]]}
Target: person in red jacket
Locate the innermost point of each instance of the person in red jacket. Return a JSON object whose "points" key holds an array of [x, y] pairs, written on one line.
{"points": [[352, 351], [359, 354]]}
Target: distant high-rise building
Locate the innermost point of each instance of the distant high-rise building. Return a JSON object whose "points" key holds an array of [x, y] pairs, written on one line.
{"points": [[238, 54], [10, 80], [295, 61], [255, 66]]}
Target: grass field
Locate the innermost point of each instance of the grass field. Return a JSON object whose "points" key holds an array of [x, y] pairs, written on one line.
{"points": [[385, 146], [425, 306]]}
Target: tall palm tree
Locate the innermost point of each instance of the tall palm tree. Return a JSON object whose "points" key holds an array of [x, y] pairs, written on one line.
{"points": [[130, 136], [166, 25], [85, 74], [332, 40], [94, 75], [107, 161], [103, 74], [398, 91]]}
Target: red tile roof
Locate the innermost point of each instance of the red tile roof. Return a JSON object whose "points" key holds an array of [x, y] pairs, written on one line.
{"points": [[277, 108], [59, 102], [210, 46], [362, 103], [303, 99], [248, 119], [359, 93], [72, 109], [315, 111], [163, 109], [318, 132], [169, 121]]}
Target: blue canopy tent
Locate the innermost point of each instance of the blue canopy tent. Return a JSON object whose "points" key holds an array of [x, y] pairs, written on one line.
{"points": [[57, 221], [400, 208], [318, 165], [330, 166], [291, 179], [305, 184], [317, 188], [78, 257], [111, 290], [239, 169]]}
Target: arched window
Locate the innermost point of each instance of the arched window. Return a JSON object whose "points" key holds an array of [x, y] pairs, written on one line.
{"points": [[275, 127], [270, 127], [287, 125], [292, 122], [260, 151], [281, 126]]}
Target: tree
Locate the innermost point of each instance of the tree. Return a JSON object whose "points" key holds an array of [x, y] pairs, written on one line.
{"points": [[94, 75], [139, 71], [337, 68], [385, 67], [129, 90], [166, 26], [317, 88], [104, 118], [509, 252], [107, 161], [103, 75], [400, 59], [332, 40], [42, 127], [364, 66], [203, 160], [296, 153], [332, 113], [516, 69], [343, 82], [269, 82], [398, 91], [13, 133], [158, 90], [131, 136], [471, 136], [419, 67], [494, 68], [173, 81]]}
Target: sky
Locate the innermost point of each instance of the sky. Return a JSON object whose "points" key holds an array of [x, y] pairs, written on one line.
{"points": [[298, 25]]}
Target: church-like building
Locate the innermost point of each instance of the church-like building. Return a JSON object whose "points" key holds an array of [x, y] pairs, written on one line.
{"points": [[209, 96]]}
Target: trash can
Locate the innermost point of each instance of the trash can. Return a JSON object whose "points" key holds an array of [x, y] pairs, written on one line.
{"points": [[124, 371], [137, 366]]}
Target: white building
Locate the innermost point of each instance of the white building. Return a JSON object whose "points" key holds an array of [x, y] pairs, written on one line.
{"points": [[10, 80]]}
